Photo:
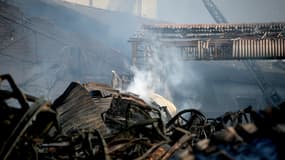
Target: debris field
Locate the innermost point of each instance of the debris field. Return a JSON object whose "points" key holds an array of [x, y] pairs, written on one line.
{"points": [[95, 121]]}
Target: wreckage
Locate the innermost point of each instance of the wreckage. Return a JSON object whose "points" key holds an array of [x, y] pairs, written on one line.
{"points": [[95, 121]]}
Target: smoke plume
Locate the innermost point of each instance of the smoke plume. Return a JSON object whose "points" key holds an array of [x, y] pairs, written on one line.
{"points": [[165, 73]]}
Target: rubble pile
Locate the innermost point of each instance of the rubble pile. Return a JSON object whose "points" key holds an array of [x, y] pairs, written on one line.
{"points": [[94, 121]]}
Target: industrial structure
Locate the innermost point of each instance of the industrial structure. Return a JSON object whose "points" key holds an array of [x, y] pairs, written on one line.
{"points": [[219, 41], [214, 41], [224, 84], [82, 36]]}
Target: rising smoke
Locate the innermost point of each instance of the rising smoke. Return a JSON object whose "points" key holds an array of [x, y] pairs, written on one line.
{"points": [[165, 74], [43, 66], [89, 45]]}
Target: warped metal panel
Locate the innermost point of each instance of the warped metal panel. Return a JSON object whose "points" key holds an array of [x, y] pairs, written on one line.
{"points": [[77, 109]]}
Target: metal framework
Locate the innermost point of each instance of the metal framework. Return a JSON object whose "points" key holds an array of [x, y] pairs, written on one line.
{"points": [[214, 11], [216, 42]]}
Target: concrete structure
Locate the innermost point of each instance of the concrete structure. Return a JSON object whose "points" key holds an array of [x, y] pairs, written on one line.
{"points": [[144, 8]]}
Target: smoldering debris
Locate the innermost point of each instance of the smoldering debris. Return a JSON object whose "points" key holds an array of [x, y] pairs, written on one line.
{"points": [[95, 121]]}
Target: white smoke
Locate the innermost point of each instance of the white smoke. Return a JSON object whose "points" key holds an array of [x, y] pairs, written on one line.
{"points": [[142, 83], [165, 72]]}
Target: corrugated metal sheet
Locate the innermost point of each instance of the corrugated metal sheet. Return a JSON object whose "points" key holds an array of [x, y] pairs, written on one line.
{"points": [[265, 48], [77, 109]]}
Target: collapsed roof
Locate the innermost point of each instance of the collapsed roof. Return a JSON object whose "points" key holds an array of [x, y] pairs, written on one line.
{"points": [[94, 121]]}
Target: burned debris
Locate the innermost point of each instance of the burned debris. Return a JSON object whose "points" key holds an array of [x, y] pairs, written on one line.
{"points": [[95, 121]]}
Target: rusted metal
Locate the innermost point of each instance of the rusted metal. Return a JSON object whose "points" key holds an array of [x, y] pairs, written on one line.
{"points": [[135, 129], [177, 146], [76, 108]]}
